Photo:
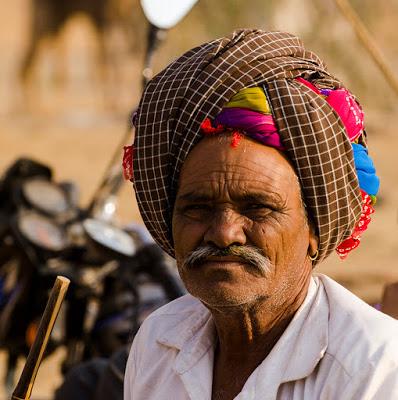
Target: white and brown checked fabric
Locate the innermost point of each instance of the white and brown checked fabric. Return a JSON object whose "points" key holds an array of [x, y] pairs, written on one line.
{"points": [[199, 83]]}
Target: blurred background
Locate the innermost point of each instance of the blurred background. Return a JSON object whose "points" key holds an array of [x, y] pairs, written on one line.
{"points": [[70, 73]]}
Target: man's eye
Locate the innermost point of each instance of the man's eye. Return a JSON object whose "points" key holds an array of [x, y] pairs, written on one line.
{"points": [[197, 207], [257, 210], [258, 206], [193, 210]]}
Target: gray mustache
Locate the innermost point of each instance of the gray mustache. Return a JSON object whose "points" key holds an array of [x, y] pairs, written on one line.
{"points": [[249, 254]]}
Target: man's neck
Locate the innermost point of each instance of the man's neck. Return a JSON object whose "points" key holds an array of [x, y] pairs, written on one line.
{"points": [[243, 332], [246, 336]]}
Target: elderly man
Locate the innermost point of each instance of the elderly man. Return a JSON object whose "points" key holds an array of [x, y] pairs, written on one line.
{"points": [[250, 167]]}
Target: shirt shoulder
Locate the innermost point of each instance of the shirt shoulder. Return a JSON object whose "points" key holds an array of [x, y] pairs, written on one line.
{"points": [[179, 312], [170, 325], [183, 304], [153, 366], [360, 338]]}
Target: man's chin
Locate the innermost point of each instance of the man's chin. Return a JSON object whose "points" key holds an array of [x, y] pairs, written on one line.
{"points": [[224, 298]]}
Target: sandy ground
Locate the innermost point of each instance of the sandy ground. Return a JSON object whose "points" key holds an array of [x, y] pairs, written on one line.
{"points": [[48, 378]]}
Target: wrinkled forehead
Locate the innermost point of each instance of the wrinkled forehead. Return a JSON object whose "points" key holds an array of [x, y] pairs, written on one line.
{"points": [[214, 162]]}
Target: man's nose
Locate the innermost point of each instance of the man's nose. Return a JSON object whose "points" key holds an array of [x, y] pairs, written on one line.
{"points": [[226, 229]]}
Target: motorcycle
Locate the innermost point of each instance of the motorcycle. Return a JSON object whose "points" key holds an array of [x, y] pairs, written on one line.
{"points": [[29, 201], [45, 234]]}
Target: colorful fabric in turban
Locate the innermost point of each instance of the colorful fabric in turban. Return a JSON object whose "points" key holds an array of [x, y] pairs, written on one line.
{"points": [[197, 86], [249, 110]]}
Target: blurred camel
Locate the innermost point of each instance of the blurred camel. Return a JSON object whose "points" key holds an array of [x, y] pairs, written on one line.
{"points": [[50, 16]]}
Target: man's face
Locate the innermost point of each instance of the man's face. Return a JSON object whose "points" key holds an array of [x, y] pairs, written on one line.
{"points": [[243, 196]]}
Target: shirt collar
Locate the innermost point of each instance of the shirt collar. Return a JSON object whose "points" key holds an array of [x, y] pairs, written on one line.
{"points": [[192, 336], [294, 356]]}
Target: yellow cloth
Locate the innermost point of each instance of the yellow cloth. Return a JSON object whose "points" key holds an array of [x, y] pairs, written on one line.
{"points": [[251, 98]]}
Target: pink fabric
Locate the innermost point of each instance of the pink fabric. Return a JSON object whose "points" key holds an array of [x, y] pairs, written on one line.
{"points": [[343, 102], [349, 111]]}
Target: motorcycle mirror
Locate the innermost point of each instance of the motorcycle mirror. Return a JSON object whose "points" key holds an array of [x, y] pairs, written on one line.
{"points": [[164, 14]]}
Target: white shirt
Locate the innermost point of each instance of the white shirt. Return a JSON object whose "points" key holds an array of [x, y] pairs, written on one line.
{"points": [[335, 348]]}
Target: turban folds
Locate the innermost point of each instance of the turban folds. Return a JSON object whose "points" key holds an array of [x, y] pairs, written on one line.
{"points": [[197, 86]]}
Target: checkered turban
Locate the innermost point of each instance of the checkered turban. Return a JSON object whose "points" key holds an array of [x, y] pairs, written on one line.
{"points": [[198, 84]]}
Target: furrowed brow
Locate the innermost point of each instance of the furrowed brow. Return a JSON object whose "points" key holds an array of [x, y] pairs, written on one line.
{"points": [[260, 197], [198, 197], [195, 197]]}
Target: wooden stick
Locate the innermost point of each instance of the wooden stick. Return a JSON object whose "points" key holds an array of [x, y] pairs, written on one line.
{"points": [[24, 387], [368, 42]]}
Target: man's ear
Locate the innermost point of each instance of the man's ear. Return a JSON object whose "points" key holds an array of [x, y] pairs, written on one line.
{"points": [[313, 238]]}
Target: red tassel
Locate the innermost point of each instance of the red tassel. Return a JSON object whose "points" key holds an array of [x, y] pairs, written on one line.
{"points": [[128, 163], [208, 129], [353, 241]]}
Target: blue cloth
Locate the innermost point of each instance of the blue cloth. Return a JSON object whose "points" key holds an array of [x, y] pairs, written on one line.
{"points": [[368, 180]]}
